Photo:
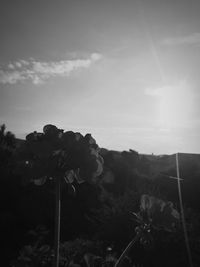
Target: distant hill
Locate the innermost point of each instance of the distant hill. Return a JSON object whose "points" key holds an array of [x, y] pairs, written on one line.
{"points": [[129, 169], [150, 164], [188, 164], [125, 170]]}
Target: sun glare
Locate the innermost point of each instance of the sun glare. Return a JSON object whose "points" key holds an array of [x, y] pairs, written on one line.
{"points": [[175, 105]]}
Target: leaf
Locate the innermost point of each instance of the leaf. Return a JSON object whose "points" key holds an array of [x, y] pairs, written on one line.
{"points": [[40, 181], [159, 213], [44, 248], [69, 176]]}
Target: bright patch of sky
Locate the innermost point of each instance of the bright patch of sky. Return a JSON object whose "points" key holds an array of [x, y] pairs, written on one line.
{"points": [[125, 71]]}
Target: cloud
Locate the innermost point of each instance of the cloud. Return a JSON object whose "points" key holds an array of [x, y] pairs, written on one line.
{"points": [[192, 39], [38, 72]]}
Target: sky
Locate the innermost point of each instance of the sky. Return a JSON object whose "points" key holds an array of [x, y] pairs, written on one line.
{"points": [[126, 71]]}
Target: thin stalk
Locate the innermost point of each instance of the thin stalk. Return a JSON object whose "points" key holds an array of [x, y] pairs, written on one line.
{"points": [[57, 222], [182, 214], [121, 258]]}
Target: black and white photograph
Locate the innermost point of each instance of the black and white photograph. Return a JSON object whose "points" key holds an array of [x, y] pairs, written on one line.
{"points": [[100, 133]]}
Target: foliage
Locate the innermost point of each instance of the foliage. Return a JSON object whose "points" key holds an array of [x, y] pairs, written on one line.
{"points": [[54, 152], [7, 139], [37, 252], [154, 213], [95, 214], [158, 213], [7, 146], [78, 252]]}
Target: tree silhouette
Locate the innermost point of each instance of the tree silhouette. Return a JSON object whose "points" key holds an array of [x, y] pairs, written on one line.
{"points": [[7, 146], [55, 154]]}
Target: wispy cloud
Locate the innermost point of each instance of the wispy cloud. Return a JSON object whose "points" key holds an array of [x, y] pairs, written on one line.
{"points": [[37, 72], [192, 39]]}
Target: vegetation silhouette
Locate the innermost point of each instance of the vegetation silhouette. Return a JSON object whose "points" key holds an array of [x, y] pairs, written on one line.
{"points": [[55, 154], [96, 215]]}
